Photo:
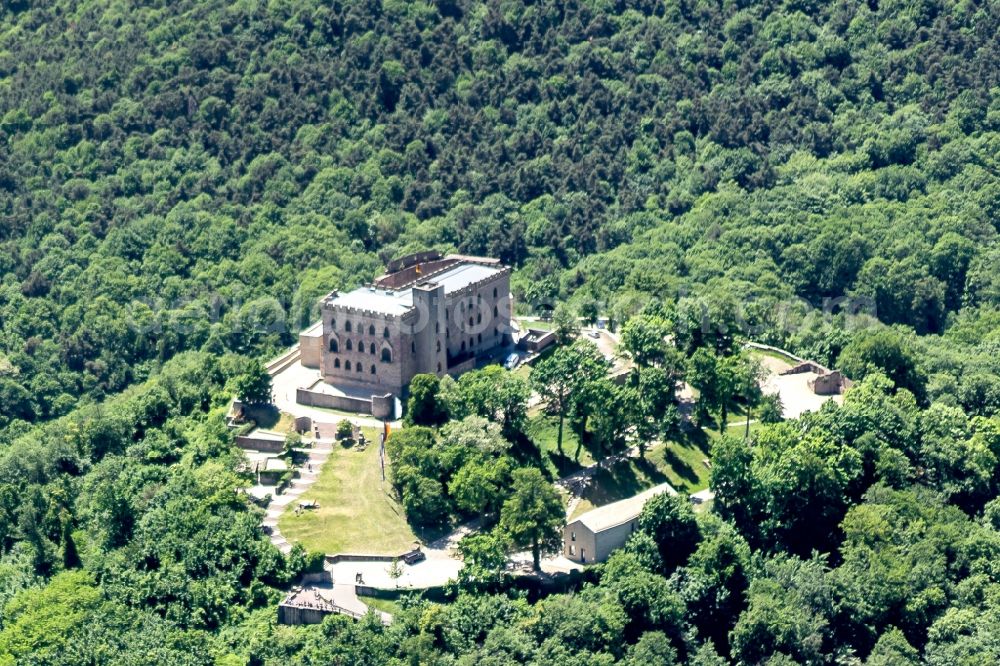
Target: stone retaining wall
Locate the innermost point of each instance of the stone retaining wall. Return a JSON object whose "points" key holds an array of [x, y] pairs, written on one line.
{"points": [[342, 402]]}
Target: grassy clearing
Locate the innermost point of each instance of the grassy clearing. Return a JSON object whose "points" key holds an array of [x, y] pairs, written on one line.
{"points": [[539, 324], [543, 431], [389, 606], [357, 512], [681, 464], [626, 479], [784, 358], [269, 418], [736, 428]]}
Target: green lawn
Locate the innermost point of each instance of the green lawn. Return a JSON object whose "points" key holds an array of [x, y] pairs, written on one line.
{"points": [[736, 427], [269, 418], [543, 431], [539, 324], [390, 606], [773, 354], [626, 479], [679, 464], [357, 513], [683, 463]]}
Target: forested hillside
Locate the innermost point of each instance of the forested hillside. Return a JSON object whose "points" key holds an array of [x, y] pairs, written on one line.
{"points": [[173, 172], [180, 180]]}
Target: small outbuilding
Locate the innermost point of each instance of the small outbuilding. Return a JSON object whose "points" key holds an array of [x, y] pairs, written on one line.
{"points": [[593, 536]]}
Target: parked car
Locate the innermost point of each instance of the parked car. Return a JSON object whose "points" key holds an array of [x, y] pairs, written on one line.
{"points": [[594, 334], [414, 556], [512, 361]]}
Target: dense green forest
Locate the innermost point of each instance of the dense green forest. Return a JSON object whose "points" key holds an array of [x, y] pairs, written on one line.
{"points": [[179, 182]]}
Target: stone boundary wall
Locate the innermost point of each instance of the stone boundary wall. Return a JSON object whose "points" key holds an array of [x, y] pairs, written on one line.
{"points": [[806, 366], [297, 615], [342, 402], [358, 557], [267, 445], [535, 340], [318, 577], [464, 366], [778, 350], [282, 362]]}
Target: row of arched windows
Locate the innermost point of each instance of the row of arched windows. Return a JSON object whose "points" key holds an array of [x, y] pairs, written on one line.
{"points": [[347, 366], [349, 346]]}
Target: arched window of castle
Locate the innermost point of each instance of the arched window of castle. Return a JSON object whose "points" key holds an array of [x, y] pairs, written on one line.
{"points": [[347, 365], [359, 366], [349, 344], [336, 362], [334, 347], [386, 355], [371, 349], [385, 333], [463, 345], [494, 292], [371, 329], [373, 368], [347, 326]]}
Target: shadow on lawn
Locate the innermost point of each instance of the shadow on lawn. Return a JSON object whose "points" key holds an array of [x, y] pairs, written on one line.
{"points": [[526, 452], [265, 416], [680, 467], [626, 479]]}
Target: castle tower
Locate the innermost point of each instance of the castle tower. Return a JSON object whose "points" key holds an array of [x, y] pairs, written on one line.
{"points": [[430, 354]]}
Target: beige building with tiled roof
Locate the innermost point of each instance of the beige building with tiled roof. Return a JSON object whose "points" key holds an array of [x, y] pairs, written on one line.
{"points": [[593, 536]]}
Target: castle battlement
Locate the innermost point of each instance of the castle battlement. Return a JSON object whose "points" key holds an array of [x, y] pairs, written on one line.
{"points": [[419, 334]]}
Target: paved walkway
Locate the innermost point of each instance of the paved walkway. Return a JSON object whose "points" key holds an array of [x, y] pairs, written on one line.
{"points": [[434, 571], [284, 385], [343, 597], [796, 396]]}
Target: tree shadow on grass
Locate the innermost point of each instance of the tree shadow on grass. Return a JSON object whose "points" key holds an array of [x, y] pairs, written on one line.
{"points": [[680, 467], [564, 464], [529, 454], [265, 416], [432, 536], [654, 473], [622, 481]]}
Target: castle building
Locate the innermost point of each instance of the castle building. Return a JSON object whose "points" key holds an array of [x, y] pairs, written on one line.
{"points": [[427, 314]]}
